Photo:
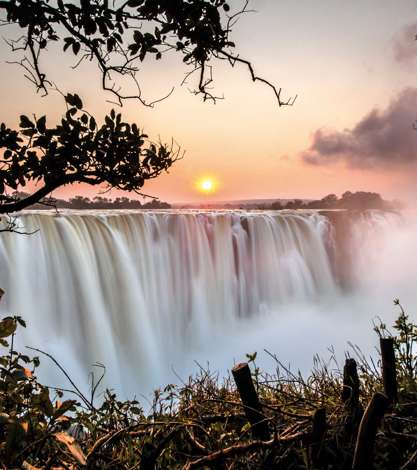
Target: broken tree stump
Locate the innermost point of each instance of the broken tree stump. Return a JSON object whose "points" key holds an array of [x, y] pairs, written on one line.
{"points": [[389, 372], [252, 406], [350, 390], [317, 435], [364, 450], [350, 398]]}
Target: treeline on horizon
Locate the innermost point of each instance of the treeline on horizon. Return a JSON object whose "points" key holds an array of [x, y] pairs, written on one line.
{"points": [[359, 200], [99, 202]]}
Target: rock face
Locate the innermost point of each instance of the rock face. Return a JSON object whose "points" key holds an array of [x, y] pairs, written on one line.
{"points": [[341, 248], [353, 239]]}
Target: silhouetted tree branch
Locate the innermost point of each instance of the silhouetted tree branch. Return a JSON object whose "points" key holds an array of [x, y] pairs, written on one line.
{"points": [[77, 150], [118, 36]]}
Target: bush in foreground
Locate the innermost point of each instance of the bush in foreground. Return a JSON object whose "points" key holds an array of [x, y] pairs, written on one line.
{"points": [[313, 422]]}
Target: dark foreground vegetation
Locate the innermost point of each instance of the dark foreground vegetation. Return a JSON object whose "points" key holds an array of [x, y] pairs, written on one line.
{"points": [[334, 419]]}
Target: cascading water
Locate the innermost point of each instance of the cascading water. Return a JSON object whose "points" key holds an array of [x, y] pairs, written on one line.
{"points": [[141, 291]]}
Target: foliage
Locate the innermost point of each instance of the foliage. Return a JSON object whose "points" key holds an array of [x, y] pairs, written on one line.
{"points": [[200, 423], [118, 36], [405, 345], [77, 150]]}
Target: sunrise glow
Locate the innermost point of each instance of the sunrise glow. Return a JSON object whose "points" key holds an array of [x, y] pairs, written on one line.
{"points": [[206, 185]]}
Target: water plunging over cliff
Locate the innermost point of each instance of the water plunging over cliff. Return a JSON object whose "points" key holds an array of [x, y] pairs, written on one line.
{"points": [[138, 290]]}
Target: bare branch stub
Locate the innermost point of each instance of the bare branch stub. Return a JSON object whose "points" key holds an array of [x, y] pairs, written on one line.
{"points": [[120, 36], [12, 224]]}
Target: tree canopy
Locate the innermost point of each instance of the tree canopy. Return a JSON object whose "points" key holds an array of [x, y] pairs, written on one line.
{"points": [[77, 150], [118, 37]]}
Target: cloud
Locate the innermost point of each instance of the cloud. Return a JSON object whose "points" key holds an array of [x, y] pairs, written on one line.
{"points": [[382, 139], [405, 44]]}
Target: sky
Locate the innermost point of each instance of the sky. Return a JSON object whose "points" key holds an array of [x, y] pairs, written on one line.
{"points": [[352, 65]]}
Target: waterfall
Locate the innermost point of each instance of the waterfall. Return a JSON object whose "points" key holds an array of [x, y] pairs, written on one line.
{"points": [[137, 291]]}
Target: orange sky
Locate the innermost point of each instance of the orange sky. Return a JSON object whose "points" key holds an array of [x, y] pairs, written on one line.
{"points": [[337, 56]]}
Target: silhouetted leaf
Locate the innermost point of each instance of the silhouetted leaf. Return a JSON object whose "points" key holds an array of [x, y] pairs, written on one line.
{"points": [[25, 122], [41, 124]]}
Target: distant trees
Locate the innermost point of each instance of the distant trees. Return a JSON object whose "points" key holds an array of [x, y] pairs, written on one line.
{"points": [[360, 200], [276, 206], [99, 202]]}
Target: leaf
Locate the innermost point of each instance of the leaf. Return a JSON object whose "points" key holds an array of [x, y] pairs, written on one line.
{"points": [[45, 402], [29, 132], [245, 427], [25, 122], [93, 124], [7, 327], [78, 102], [76, 46], [74, 100], [137, 36], [28, 466], [61, 408], [21, 321], [72, 446], [41, 124], [68, 42]]}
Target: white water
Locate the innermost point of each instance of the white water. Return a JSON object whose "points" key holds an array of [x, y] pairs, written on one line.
{"points": [[146, 292]]}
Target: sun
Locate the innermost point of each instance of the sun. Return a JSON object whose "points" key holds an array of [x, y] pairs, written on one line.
{"points": [[206, 185]]}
